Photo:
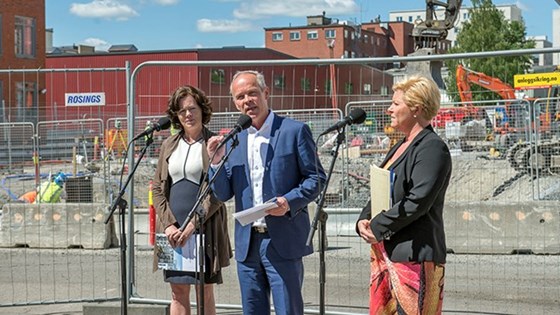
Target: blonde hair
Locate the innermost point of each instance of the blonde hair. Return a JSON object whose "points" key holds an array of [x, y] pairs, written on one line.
{"points": [[420, 92]]}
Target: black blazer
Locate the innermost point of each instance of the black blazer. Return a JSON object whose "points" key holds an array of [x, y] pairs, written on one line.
{"points": [[412, 230]]}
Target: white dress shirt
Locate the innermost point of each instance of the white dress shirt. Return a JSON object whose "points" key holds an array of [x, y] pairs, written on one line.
{"points": [[257, 148]]}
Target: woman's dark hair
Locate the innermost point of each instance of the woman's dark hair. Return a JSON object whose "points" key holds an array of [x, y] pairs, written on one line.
{"points": [[173, 106]]}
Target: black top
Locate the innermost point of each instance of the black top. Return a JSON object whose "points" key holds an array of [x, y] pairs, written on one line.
{"points": [[412, 230]]}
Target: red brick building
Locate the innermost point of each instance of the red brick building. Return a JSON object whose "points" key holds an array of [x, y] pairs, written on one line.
{"points": [[22, 46], [325, 37]]}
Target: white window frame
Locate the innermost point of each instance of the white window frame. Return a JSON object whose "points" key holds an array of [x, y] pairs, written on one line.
{"points": [[312, 35], [277, 36], [295, 35]]}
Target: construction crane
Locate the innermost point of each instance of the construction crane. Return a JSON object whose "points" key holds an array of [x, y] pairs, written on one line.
{"points": [[427, 33]]}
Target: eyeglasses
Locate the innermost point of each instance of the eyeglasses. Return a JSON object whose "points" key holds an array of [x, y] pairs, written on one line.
{"points": [[184, 111]]}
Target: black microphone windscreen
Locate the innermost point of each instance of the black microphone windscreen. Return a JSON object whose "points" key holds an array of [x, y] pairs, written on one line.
{"points": [[358, 115], [163, 123], [244, 121]]}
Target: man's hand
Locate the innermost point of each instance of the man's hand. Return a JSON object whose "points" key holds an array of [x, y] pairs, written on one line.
{"points": [[365, 232], [282, 208], [211, 146]]}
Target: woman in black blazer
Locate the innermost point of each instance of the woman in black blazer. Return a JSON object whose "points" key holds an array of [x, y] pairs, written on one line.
{"points": [[408, 239]]}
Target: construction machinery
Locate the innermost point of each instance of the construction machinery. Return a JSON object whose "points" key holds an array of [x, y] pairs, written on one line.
{"points": [[506, 120], [427, 33], [510, 124]]}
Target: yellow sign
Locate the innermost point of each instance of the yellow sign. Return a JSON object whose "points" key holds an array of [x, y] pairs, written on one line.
{"points": [[536, 80]]}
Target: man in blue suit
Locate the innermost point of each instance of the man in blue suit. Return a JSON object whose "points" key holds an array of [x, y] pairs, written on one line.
{"points": [[276, 158]]}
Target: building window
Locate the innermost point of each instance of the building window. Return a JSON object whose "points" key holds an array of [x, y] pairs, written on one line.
{"points": [[367, 89], [465, 15], [345, 33], [330, 33], [277, 36], [218, 76], [26, 101], [399, 18], [295, 35], [349, 88], [384, 90], [311, 35], [305, 84], [24, 37], [410, 19], [278, 81]]}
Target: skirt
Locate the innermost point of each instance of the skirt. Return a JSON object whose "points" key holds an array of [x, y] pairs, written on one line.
{"points": [[404, 287]]}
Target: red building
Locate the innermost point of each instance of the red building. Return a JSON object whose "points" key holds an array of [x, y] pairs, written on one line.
{"points": [[292, 87], [325, 37], [22, 46]]}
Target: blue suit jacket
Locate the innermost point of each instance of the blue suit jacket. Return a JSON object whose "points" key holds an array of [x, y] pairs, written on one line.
{"points": [[292, 170]]}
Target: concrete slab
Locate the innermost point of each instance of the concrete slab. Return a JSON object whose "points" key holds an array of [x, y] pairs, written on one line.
{"points": [[56, 225]]}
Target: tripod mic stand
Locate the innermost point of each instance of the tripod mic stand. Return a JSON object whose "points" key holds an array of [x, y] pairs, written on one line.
{"points": [[198, 210], [321, 218], [122, 204]]}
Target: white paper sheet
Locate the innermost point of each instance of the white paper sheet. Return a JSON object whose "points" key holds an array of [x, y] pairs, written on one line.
{"points": [[253, 214]]}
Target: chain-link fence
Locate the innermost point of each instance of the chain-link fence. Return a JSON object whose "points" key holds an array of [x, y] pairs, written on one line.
{"points": [[502, 200]]}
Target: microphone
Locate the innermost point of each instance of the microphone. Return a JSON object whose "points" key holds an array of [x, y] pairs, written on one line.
{"points": [[243, 122], [162, 124], [356, 116]]}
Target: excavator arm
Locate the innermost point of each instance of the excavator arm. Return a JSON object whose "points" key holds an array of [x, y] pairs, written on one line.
{"points": [[427, 33], [465, 77]]}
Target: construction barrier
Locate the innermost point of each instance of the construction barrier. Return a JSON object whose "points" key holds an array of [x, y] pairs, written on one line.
{"points": [[56, 225], [503, 228]]}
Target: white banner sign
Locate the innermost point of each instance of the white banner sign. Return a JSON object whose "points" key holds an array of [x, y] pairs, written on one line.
{"points": [[84, 99]]}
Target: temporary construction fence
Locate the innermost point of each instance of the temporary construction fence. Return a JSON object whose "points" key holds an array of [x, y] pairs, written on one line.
{"points": [[492, 212]]}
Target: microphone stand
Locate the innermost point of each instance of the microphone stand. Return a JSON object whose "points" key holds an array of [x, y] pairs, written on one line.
{"points": [[197, 209], [321, 217], [121, 203]]}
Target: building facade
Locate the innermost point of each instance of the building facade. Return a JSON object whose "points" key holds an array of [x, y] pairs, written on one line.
{"points": [[323, 37], [22, 46]]}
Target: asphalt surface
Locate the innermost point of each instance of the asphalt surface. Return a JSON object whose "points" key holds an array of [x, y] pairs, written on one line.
{"points": [[475, 284]]}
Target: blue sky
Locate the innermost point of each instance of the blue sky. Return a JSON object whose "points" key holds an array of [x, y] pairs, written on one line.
{"points": [[187, 24]]}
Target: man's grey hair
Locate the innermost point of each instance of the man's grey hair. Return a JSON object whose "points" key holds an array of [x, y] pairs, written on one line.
{"points": [[260, 79]]}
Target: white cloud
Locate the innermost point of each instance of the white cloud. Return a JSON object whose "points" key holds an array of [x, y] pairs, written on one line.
{"points": [[229, 26], [197, 46], [258, 9], [167, 2], [99, 44], [108, 9]]}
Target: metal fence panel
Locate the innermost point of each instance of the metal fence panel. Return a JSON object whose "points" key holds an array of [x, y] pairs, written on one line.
{"points": [[492, 207]]}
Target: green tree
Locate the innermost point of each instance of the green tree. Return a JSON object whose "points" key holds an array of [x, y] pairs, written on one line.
{"points": [[488, 30]]}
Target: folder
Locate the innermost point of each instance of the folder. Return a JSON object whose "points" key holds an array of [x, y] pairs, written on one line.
{"points": [[185, 258], [381, 181]]}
